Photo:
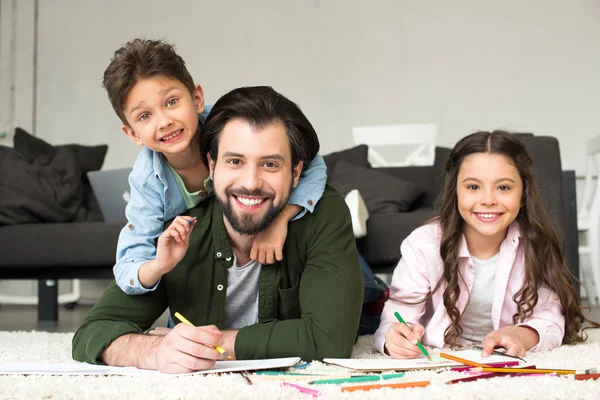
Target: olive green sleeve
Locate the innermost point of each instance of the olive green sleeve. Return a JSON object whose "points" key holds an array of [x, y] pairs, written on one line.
{"points": [[114, 315]]}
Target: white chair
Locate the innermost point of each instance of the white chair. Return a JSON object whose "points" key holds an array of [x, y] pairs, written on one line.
{"points": [[588, 223], [421, 137]]}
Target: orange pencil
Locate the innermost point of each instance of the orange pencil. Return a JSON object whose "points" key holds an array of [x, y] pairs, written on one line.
{"points": [[462, 360], [385, 385]]}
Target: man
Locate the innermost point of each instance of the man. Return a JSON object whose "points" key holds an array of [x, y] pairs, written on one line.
{"points": [[256, 143]]}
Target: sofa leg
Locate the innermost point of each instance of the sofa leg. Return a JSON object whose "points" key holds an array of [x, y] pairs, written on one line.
{"points": [[48, 300]]}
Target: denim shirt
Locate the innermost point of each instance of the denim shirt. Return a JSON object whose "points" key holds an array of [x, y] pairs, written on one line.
{"points": [[155, 199]]}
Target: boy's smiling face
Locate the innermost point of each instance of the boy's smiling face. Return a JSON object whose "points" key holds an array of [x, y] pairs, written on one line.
{"points": [[162, 114]]}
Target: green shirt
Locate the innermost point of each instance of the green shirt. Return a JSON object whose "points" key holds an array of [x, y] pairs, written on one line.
{"points": [[191, 199], [309, 304]]}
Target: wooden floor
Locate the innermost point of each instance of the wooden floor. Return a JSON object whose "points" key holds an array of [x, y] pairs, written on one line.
{"points": [[24, 318]]}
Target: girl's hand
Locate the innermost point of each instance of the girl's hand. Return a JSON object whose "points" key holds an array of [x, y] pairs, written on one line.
{"points": [[268, 244], [173, 243], [401, 340], [515, 339]]}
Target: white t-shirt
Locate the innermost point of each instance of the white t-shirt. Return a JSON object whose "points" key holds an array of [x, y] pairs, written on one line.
{"points": [[476, 321]]}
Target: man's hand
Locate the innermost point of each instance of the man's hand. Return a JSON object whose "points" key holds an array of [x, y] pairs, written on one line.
{"points": [[401, 340], [173, 243], [188, 349], [515, 339]]}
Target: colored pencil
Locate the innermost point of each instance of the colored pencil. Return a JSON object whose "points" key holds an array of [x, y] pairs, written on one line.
{"points": [[536, 371], [462, 360], [385, 385], [185, 321], [583, 377], [362, 378], [425, 353]]}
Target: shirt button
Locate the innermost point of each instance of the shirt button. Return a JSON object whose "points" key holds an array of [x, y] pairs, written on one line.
{"points": [[228, 259], [310, 202], [219, 254], [219, 287], [131, 282], [130, 226]]}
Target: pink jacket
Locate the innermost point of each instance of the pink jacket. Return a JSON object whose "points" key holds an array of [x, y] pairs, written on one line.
{"points": [[420, 269]]}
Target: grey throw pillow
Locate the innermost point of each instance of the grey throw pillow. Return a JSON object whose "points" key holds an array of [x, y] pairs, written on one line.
{"points": [[356, 155], [381, 192]]}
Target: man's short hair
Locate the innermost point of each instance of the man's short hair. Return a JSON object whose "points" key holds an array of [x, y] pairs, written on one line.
{"points": [[260, 106], [140, 59]]}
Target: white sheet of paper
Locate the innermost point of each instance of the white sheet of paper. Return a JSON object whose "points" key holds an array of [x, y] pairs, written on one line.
{"points": [[37, 368]]}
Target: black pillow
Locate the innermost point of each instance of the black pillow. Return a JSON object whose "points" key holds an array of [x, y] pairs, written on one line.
{"points": [[380, 191], [356, 155], [89, 158]]}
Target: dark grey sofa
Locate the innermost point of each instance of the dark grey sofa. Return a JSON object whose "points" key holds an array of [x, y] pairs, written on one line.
{"points": [[86, 249], [387, 227], [50, 224]]}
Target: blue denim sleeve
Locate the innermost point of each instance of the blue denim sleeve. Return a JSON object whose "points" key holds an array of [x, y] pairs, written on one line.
{"points": [[137, 240], [310, 187]]}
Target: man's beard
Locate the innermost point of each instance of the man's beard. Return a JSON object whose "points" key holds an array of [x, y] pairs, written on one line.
{"points": [[246, 225]]}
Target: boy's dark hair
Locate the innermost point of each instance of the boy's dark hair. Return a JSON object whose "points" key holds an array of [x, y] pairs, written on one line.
{"points": [[260, 106], [139, 59]]}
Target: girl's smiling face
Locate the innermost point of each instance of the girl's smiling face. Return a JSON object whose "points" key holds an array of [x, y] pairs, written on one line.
{"points": [[489, 190]]}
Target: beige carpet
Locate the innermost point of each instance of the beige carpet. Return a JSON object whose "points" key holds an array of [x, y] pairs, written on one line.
{"points": [[56, 347]]}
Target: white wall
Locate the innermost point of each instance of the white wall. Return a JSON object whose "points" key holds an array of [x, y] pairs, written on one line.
{"points": [[464, 65]]}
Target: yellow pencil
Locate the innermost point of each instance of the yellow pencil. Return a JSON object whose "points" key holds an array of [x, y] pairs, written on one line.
{"points": [[185, 321], [534, 371]]}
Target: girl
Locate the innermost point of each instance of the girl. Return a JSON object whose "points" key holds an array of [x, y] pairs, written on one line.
{"points": [[489, 268]]}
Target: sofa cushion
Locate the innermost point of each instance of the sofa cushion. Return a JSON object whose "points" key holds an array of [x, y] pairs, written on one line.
{"points": [[356, 155], [386, 231], [74, 244], [381, 192], [89, 158]]}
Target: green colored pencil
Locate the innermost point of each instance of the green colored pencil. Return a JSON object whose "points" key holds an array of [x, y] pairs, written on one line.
{"points": [[363, 378], [425, 353]]}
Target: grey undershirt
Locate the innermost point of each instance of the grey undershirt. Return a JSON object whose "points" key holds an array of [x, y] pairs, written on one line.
{"points": [[241, 304]]}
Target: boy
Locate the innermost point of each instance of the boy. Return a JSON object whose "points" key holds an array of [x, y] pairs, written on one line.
{"points": [[163, 111]]}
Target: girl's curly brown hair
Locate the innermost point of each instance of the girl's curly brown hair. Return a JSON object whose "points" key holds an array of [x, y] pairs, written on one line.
{"points": [[545, 263]]}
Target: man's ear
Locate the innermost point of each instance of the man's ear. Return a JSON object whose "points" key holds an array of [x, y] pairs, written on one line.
{"points": [[211, 166], [199, 99], [132, 135], [296, 172]]}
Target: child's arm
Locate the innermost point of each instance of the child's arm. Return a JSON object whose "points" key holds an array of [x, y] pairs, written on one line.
{"points": [[137, 240], [410, 283], [268, 245], [151, 271]]}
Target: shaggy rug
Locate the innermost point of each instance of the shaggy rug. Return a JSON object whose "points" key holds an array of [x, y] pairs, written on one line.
{"points": [[56, 347]]}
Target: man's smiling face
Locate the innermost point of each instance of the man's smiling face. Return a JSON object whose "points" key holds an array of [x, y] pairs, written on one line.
{"points": [[253, 175]]}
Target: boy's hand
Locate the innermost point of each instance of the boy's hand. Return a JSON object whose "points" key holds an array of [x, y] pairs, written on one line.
{"points": [[401, 340], [173, 243], [515, 339], [268, 244]]}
